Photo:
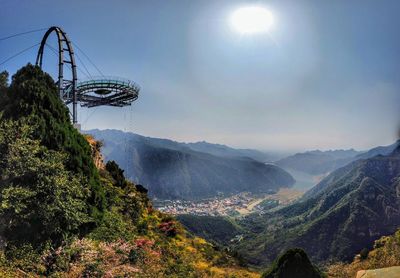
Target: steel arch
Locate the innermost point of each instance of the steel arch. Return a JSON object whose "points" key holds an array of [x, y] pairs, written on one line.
{"points": [[64, 44]]}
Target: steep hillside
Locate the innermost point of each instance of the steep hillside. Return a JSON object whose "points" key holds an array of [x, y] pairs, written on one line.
{"points": [[218, 229], [381, 150], [385, 253], [350, 209], [173, 170], [79, 220]]}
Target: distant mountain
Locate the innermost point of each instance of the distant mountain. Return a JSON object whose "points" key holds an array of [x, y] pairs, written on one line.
{"points": [[318, 162], [173, 170], [346, 212], [222, 150], [381, 150]]}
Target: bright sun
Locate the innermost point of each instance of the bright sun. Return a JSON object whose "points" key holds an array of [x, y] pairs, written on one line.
{"points": [[251, 20]]}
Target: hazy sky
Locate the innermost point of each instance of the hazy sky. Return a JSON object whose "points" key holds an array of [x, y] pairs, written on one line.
{"points": [[327, 75]]}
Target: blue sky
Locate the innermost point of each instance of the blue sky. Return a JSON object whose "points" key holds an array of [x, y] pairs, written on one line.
{"points": [[325, 76]]}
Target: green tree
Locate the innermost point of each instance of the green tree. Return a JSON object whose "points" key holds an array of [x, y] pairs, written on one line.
{"points": [[33, 97], [116, 173], [3, 80], [40, 199], [293, 263], [3, 88]]}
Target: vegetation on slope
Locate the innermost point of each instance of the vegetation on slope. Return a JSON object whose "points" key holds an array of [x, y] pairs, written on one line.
{"points": [[32, 98], [218, 229], [354, 206], [63, 217], [385, 253]]}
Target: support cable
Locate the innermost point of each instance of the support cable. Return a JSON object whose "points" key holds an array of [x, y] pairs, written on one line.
{"points": [[83, 64], [88, 116], [23, 33], [87, 57], [19, 53]]}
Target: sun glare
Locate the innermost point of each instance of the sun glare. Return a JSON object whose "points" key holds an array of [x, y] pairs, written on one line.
{"points": [[251, 20]]}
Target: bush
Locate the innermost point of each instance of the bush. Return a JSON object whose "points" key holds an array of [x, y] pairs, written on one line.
{"points": [[135, 255], [364, 254], [93, 270], [113, 227], [116, 173]]}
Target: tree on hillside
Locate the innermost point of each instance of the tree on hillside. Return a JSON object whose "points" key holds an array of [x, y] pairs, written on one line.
{"points": [[3, 80], [116, 173], [3, 87], [293, 263], [40, 199], [32, 97]]}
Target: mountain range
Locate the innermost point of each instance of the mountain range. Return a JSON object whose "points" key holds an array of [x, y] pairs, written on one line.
{"points": [[223, 150], [173, 170], [345, 212], [318, 162]]}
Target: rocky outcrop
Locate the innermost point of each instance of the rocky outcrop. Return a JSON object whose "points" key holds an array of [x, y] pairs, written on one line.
{"points": [[388, 272], [95, 145]]}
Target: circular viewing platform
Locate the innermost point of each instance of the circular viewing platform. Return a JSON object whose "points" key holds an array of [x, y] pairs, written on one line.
{"points": [[110, 91]]}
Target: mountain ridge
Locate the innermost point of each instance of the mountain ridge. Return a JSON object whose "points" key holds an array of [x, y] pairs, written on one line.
{"points": [[173, 170], [356, 205], [318, 162]]}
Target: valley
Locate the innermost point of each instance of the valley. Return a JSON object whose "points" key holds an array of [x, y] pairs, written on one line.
{"points": [[236, 205], [173, 170]]}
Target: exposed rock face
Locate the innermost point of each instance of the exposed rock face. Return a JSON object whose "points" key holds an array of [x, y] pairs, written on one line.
{"points": [[98, 158]]}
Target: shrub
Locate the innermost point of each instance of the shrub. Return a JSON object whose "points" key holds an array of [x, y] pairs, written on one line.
{"points": [[116, 173], [134, 255], [364, 254]]}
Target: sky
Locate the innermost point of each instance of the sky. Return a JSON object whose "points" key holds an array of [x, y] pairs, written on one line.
{"points": [[325, 76]]}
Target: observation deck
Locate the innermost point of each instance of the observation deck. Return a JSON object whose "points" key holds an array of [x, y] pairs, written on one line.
{"points": [[99, 91]]}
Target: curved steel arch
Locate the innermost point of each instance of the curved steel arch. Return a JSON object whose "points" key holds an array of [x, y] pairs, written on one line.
{"points": [[94, 92], [64, 44]]}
